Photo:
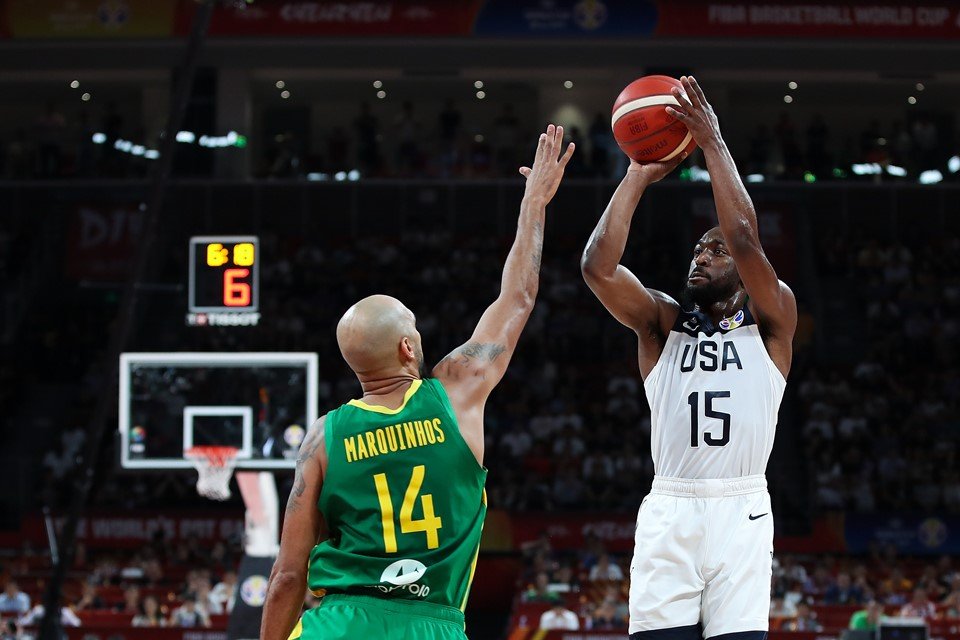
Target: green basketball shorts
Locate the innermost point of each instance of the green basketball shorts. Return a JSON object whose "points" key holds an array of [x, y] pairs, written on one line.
{"points": [[350, 617]]}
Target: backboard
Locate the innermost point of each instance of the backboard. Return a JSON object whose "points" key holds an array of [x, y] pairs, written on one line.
{"points": [[260, 403]]}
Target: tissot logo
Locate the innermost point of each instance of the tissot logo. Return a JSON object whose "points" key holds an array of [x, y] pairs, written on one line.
{"points": [[403, 572]]}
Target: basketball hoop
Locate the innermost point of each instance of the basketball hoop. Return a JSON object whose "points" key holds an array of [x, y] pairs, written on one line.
{"points": [[214, 467]]}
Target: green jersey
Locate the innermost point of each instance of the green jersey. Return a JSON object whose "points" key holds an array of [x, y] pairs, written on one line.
{"points": [[404, 502]]}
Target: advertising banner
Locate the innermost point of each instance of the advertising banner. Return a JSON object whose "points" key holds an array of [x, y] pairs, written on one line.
{"points": [[777, 19], [101, 242], [133, 530], [911, 535], [101, 19], [567, 18], [306, 18]]}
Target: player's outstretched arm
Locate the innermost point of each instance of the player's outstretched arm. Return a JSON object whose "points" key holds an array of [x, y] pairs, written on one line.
{"points": [[648, 312], [303, 527], [471, 371], [773, 300]]}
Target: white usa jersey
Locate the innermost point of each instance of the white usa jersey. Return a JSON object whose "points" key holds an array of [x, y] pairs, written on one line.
{"points": [[714, 395]]}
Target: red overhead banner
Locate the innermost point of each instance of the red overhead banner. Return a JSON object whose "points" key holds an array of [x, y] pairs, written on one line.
{"points": [[778, 19]]}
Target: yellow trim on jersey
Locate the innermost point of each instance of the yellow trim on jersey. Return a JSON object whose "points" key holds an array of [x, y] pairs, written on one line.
{"points": [[297, 630], [414, 386], [539, 634]]}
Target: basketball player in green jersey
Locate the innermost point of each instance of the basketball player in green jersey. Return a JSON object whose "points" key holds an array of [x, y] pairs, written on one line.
{"points": [[385, 515]]}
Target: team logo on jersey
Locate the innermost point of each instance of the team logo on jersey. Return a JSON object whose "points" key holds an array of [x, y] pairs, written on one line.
{"points": [[733, 322], [691, 324], [403, 575], [403, 572]]}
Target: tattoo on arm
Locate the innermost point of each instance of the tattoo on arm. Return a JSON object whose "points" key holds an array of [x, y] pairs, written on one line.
{"points": [[307, 454], [537, 254], [481, 351]]}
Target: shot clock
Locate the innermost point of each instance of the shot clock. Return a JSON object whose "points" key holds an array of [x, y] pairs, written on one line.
{"points": [[224, 287]]}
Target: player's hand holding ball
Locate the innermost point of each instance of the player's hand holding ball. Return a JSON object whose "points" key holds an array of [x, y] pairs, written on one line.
{"points": [[695, 112], [543, 178]]}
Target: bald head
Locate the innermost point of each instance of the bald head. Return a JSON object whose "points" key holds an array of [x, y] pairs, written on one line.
{"points": [[379, 334]]}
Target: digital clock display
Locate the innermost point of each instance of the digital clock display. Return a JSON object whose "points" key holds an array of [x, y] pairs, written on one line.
{"points": [[224, 274]]}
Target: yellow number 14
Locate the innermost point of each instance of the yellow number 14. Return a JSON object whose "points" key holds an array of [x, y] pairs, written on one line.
{"points": [[429, 524]]}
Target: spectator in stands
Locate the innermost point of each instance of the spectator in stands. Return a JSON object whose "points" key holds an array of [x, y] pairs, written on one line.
{"points": [[780, 608], [189, 615], [150, 615], [131, 600], [206, 601], [89, 598], [843, 591], [540, 590], [559, 617], [606, 570], [67, 617], [225, 591], [12, 600], [805, 620], [867, 619], [919, 606]]}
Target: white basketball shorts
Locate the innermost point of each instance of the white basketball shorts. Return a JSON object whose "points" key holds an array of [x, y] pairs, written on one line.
{"points": [[702, 559]]}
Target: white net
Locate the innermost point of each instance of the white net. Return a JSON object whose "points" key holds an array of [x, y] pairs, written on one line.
{"points": [[214, 467]]}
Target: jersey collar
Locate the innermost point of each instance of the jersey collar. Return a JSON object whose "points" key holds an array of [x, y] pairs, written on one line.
{"points": [[412, 389]]}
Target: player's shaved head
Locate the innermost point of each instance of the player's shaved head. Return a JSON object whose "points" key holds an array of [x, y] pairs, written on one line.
{"points": [[375, 334]]}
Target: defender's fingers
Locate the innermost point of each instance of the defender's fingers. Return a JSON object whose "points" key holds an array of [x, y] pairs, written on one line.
{"points": [[525, 172], [558, 137], [540, 146], [565, 158]]}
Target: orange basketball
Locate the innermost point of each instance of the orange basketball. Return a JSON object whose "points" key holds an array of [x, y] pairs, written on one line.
{"points": [[641, 125]]}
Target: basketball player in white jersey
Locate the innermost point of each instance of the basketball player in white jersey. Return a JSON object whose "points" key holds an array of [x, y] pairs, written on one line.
{"points": [[714, 371]]}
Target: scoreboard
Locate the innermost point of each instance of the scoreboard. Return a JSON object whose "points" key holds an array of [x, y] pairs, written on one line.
{"points": [[224, 285]]}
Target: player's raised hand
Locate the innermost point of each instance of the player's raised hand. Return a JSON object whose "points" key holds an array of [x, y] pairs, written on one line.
{"points": [[695, 112], [543, 178], [655, 171]]}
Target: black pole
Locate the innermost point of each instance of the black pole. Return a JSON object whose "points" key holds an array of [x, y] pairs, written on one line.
{"points": [[50, 628]]}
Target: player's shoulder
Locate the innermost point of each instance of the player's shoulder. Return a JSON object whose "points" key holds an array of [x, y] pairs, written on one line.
{"points": [[669, 310]]}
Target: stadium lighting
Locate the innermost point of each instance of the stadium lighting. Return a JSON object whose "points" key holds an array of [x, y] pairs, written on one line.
{"points": [[317, 176], [99, 138], [699, 175], [353, 175], [919, 86], [894, 170], [281, 84], [186, 136], [809, 177], [86, 97], [755, 177], [792, 85], [954, 164], [381, 94], [931, 176], [284, 94], [377, 84], [912, 100], [75, 84], [478, 137], [788, 98], [481, 95], [478, 84], [151, 154], [568, 84], [867, 169], [340, 176]]}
